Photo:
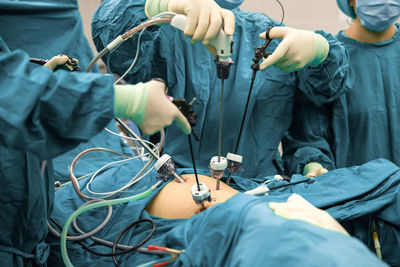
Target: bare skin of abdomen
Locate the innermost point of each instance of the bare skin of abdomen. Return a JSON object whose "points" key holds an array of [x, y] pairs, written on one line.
{"points": [[175, 200]]}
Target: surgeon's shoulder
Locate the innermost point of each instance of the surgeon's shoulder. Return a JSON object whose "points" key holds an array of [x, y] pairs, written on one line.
{"points": [[112, 10]]}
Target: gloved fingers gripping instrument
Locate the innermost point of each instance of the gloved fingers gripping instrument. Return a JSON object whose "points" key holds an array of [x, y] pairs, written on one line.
{"points": [[59, 62], [222, 43]]}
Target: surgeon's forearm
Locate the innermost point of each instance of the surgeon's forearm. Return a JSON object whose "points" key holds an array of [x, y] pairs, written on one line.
{"points": [[48, 113], [325, 82]]}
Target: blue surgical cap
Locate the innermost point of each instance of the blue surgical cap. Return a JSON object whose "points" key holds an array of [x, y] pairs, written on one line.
{"points": [[229, 4], [346, 8]]}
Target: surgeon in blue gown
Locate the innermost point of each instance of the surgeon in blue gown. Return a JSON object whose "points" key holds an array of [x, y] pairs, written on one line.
{"points": [[44, 114], [363, 124], [190, 72], [58, 30]]}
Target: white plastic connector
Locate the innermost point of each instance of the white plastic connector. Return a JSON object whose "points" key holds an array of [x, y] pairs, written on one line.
{"points": [[116, 42], [161, 161], [234, 157], [223, 45], [203, 194], [261, 190], [179, 21], [221, 42], [218, 165]]}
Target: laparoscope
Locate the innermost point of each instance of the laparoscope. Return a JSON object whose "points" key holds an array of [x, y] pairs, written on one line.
{"points": [[223, 45]]}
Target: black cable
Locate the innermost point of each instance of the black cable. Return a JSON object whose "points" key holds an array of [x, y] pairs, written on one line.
{"points": [[260, 53], [283, 12], [38, 61], [80, 242], [107, 254], [244, 115], [194, 163], [289, 184], [114, 247], [243, 119]]}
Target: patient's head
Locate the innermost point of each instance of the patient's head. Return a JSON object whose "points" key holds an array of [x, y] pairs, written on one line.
{"points": [[175, 200]]}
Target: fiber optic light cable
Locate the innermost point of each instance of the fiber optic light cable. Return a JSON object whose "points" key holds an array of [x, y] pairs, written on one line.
{"points": [[74, 180], [134, 60], [84, 235], [123, 37], [134, 135], [63, 240]]}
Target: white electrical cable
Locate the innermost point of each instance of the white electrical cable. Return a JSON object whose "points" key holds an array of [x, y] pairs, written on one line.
{"points": [[99, 170], [155, 148], [122, 189], [163, 15], [135, 179], [134, 60]]}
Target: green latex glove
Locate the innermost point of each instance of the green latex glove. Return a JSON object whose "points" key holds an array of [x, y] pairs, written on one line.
{"points": [[205, 17], [297, 49], [313, 169], [148, 107]]}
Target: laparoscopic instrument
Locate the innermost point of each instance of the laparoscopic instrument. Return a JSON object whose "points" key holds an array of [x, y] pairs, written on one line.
{"points": [[223, 45], [263, 189], [70, 64], [234, 160], [200, 192]]}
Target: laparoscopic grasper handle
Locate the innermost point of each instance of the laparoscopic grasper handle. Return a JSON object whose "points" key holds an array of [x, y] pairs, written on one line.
{"points": [[222, 42]]}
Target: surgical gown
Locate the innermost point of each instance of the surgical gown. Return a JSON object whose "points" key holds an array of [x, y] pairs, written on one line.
{"points": [[363, 124], [58, 30], [190, 72], [42, 115]]}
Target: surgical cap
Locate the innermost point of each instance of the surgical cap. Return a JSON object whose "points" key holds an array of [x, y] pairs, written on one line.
{"points": [[346, 8], [229, 4]]}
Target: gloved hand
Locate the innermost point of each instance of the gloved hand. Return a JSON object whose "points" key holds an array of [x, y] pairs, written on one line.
{"points": [[61, 60], [297, 49], [148, 107], [205, 17], [296, 207], [313, 169]]}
